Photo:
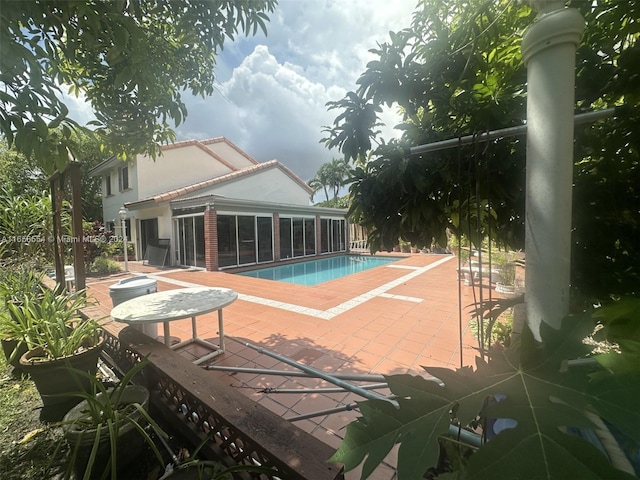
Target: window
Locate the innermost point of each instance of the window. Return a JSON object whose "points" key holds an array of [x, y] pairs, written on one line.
{"points": [[123, 178], [285, 238], [297, 237], [244, 240], [107, 185], [309, 236], [333, 235]]}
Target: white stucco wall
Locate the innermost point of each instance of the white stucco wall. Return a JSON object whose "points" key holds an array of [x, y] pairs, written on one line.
{"points": [[272, 185], [177, 168], [230, 154], [112, 204]]}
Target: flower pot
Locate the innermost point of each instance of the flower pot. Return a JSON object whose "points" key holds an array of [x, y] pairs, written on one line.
{"points": [[80, 433], [9, 346], [54, 377]]}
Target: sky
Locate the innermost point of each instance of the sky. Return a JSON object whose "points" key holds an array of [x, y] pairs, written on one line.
{"points": [[272, 91]]}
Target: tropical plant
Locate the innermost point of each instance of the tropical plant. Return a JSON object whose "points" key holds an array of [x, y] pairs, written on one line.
{"points": [[545, 400], [51, 324], [105, 418], [457, 70], [620, 322], [330, 176], [19, 280], [103, 265], [132, 61], [25, 224], [504, 261]]}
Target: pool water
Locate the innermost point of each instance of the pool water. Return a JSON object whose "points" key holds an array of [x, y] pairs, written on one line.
{"points": [[314, 272]]}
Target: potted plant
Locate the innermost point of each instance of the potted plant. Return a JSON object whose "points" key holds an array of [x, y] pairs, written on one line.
{"points": [[16, 282], [507, 283], [106, 430], [57, 340], [505, 274]]}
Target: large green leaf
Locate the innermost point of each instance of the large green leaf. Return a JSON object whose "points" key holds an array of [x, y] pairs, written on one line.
{"points": [[537, 390]]}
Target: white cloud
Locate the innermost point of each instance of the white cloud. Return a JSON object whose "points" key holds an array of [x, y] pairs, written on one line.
{"points": [[274, 90]]}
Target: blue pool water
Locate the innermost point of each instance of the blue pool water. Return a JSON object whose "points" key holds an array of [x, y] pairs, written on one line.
{"points": [[314, 272]]}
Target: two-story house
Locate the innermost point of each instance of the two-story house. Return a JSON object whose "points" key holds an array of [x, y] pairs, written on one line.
{"points": [[208, 204]]}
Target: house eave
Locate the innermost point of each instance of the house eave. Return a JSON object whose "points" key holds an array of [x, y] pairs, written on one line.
{"points": [[103, 167], [221, 203]]}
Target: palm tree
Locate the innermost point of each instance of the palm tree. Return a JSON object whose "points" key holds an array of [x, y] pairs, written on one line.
{"points": [[320, 182], [330, 176]]}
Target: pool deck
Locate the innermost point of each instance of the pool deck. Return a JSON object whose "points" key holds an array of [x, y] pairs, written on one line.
{"points": [[387, 320]]}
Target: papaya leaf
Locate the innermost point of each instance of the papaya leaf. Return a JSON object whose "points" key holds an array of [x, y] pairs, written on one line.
{"points": [[529, 384]]}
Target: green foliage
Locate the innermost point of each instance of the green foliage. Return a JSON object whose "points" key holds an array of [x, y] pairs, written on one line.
{"points": [[102, 242], [457, 70], [330, 176], [542, 396], [103, 265], [103, 415], [50, 323], [18, 280], [132, 61], [26, 224], [620, 323]]}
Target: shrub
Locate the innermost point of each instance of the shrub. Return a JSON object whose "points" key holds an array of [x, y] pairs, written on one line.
{"points": [[104, 265]]}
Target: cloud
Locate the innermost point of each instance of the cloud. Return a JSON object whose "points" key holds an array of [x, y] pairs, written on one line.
{"points": [[273, 90], [271, 110]]}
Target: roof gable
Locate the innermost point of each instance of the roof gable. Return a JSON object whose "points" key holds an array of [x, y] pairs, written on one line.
{"points": [[228, 178]]}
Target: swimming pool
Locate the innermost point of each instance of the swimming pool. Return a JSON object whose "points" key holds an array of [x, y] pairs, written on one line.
{"points": [[314, 272]]}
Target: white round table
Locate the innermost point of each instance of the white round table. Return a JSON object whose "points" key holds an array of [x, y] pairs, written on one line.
{"points": [[176, 305]]}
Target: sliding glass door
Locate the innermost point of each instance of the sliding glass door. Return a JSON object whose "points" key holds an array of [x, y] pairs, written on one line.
{"points": [[333, 235], [297, 237], [244, 240], [189, 244]]}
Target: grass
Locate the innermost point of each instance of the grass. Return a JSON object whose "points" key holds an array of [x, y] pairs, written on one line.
{"points": [[32, 449], [27, 445]]}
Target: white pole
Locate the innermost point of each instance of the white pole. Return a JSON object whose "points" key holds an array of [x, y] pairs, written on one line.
{"points": [[124, 243], [548, 49], [123, 222]]}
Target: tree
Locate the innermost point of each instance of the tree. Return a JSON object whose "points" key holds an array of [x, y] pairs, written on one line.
{"points": [[457, 70], [26, 178], [132, 60], [331, 176], [320, 181]]}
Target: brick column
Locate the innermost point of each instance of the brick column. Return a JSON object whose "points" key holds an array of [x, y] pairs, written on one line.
{"points": [[276, 237], [211, 239]]}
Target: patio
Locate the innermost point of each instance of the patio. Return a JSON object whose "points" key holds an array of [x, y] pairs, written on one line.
{"points": [[387, 320]]}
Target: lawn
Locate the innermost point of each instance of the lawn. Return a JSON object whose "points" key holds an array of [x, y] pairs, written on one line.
{"points": [[32, 449], [27, 445]]}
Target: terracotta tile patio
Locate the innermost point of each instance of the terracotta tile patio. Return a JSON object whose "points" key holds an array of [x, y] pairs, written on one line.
{"points": [[386, 320]]}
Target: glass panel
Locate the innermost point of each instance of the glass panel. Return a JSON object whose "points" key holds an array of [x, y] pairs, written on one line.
{"points": [[246, 240], [335, 235], [309, 236], [324, 235], [177, 234], [265, 239], [285, 238], [189, 250], [198, 225], [298, 237], [227, 251]]}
